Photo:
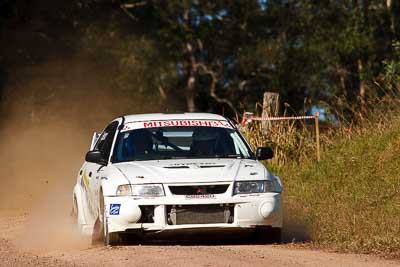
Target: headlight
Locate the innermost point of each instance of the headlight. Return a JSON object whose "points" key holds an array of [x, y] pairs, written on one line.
{"points": [[148, 190], [141, 190], [124, 190], [249, 187]]}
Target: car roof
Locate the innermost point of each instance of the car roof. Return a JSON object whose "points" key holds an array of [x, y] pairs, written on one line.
{"points": [[173, 116]]}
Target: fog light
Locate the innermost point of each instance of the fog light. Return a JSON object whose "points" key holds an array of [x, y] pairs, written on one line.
{"points": [[129, 214], [267, 208]]}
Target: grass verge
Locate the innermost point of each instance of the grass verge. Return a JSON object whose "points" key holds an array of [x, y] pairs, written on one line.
{"points": [[350, 201]]}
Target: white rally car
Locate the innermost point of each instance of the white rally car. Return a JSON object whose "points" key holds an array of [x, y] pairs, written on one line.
{"points": [[168, 173]]}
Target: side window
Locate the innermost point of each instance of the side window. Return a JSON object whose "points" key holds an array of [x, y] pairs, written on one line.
{"points": [[100, 141], [105, 141]]}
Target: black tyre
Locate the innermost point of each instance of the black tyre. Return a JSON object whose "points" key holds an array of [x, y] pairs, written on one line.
{"points": [[75, 216], [110, 239], [97, 234], [74, 212], [267, 235], [98, 230]]}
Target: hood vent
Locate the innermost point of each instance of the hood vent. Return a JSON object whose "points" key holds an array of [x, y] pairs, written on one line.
{"points": [[193, 166], [176, 167], [212, 166]]}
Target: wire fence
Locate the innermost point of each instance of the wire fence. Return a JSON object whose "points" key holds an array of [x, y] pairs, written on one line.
{"points": [[248, 118]]}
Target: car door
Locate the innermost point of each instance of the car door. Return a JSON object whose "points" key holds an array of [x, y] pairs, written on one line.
{"points": [[94, 170]]}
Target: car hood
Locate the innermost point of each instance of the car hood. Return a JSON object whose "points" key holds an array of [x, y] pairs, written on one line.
{"points": [[192, 170]]}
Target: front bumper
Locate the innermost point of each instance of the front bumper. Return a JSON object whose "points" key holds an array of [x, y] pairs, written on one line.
{"points": [[123, 214]]}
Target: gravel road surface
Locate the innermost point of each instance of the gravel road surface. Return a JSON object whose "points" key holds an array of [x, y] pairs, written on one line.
{"points": [[25, 241]]}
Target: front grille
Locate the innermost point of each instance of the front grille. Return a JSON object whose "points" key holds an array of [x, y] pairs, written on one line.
{"points": [[200, 214], [199, 189]]}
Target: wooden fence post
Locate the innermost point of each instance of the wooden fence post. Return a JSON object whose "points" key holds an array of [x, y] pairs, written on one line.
{"points": [[270, 109], [247, 116]]}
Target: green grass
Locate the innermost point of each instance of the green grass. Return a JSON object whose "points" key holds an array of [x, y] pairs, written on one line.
{"points": [[350, 201]]}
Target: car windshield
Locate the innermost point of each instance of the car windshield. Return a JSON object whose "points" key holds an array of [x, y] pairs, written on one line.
{"points": [[179, 142]]}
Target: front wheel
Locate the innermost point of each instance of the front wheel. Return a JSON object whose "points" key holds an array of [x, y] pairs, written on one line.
{"points": [[110, 239], [97, 234], [268, 235], [100, 230]]}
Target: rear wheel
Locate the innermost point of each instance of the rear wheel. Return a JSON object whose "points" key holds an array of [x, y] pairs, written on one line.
{"points": [[74, 211], [75, 216]]}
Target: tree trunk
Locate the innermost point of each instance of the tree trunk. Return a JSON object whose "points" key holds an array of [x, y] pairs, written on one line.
{"points": [[341, 72], [342, 81], [191, 82], [361, 22], [390, 9], [362, 86], [191, 105]]}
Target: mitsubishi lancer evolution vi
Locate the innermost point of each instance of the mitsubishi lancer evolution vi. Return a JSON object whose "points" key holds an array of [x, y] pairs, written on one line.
{"points": [[160, 173]]}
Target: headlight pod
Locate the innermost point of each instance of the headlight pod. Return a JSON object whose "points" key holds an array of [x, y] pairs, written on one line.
{"points": [[141, 190], [250, 187]]}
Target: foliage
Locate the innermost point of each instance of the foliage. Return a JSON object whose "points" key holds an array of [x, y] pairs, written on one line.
{"points": [[390, 78], [227, 53], [222, 55], [210, 43]]}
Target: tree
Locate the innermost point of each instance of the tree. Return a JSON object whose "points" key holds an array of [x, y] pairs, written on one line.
{"points": [[221, 55], [209, 42]]}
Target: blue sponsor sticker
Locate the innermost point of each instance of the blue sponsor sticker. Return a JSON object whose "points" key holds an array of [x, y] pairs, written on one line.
{"points": [[114, 209]]}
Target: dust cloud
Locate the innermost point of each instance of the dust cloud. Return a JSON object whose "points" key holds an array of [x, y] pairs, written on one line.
{"points": [[49, 114]]}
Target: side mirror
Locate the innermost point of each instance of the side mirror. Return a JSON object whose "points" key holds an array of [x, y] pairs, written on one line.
{"points": [[263, 153], [95, 157]]}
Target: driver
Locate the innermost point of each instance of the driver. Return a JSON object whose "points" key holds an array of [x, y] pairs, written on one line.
{"points": [[139, 143], [204, 140]]}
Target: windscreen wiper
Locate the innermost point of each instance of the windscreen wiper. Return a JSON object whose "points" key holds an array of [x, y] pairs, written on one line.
{"points": [[173, 157]]}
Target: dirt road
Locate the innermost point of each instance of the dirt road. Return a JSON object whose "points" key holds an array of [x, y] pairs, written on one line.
{"points": [[21, 244]]}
